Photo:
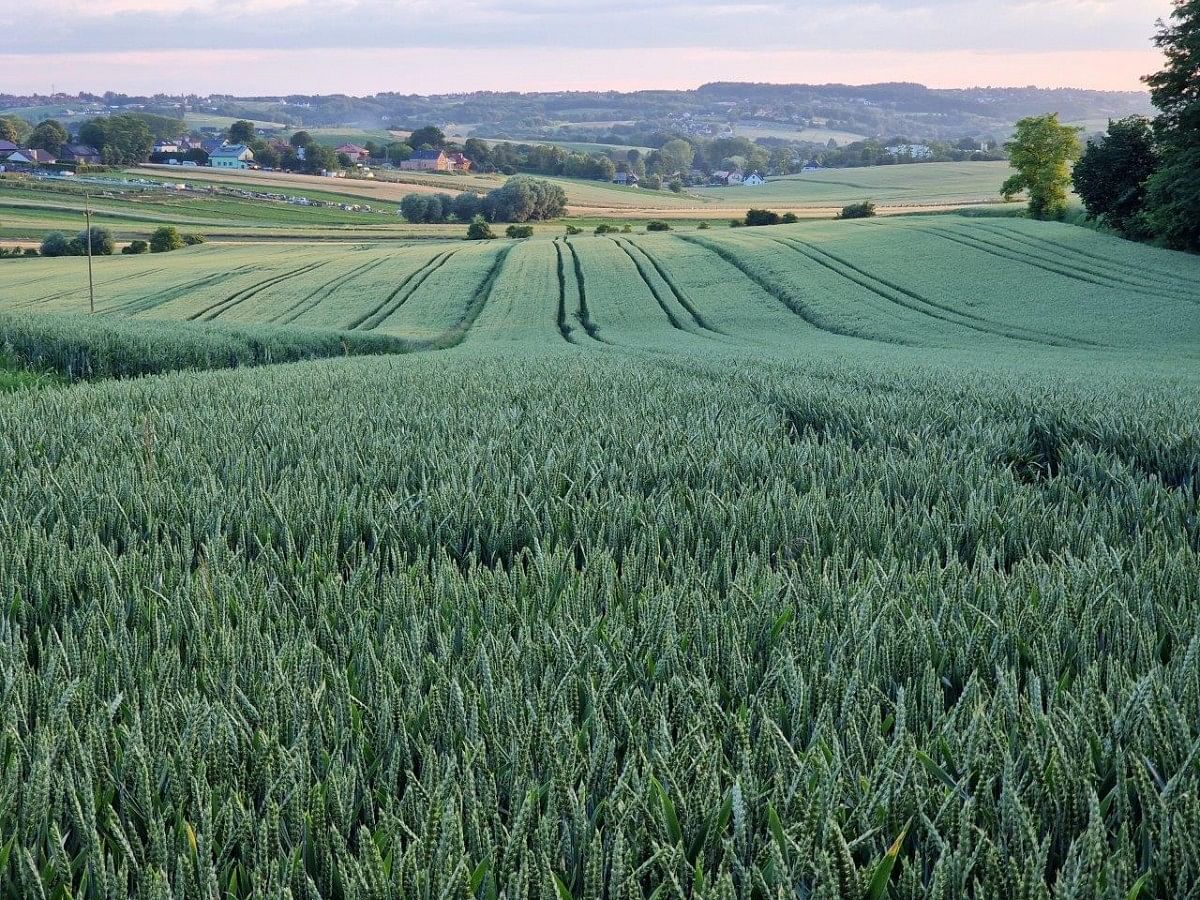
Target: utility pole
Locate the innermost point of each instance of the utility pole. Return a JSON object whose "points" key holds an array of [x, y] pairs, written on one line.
{"points": [[87, 211]]}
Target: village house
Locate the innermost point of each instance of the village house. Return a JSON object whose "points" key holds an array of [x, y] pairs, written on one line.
{"points": [[80, 154], [459, 163], [356, 153], [630, 179], [753, 180], [233, 156], [166, 147], [726, 179], [428, 161], [7, 147], [812, 166]]}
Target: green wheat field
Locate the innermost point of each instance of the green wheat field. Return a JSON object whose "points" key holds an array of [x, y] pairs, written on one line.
{"points": [[834, 560]]}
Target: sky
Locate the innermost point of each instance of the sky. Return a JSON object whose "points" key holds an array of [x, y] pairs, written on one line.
{"points": [[250, 47]]}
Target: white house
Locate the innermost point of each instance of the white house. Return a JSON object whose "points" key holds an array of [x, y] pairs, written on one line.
{"points": [[233, 156], [753, 180]]}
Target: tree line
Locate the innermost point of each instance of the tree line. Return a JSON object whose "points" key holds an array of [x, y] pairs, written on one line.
{"points": [[1142, 177]]}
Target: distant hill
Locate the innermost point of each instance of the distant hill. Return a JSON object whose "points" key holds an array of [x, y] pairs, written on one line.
{"points": [[780, 112]]}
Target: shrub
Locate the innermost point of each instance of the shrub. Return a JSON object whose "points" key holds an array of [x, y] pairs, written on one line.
{"points": [[56, 244], [604, 228], [658, 225], [736, 223], [191, 240], [703, 226], [864, 210], [165, 239], [676, 186], [627, 229], [102, 242], [789, 218], [757, 217], [133, 248], [479, 230], [518, 231], [571, 229], [31, 251], [651, 183]]}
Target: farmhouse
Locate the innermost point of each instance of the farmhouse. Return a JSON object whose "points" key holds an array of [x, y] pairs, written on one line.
{"points": [[233, 156], [166, 147], [81, 154], [627, 178], [7, 147], [356, 153], [428, 161], [753, 180], [812, 166], [459, 162], [18, 157], [727, 178]]}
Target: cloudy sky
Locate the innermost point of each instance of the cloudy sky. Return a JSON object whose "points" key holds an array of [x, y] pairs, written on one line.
{"points": [[438, 46]]}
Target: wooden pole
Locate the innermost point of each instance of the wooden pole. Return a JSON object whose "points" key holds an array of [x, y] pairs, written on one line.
{"points": [[87, 211]]}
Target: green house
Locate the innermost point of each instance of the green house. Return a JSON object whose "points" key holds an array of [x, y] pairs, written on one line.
{"points": [[231, 156]]}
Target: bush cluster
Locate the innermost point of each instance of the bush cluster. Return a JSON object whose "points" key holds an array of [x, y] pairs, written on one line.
{"points": [[521, 199], [864, 210]]}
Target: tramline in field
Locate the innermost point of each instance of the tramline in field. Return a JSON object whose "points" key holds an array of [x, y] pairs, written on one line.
{"points": [[998, 283]]}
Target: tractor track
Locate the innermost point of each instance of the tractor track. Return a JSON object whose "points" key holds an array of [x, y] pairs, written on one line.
{"points": [[324, 292], [679, 296], [404, 291], [793, 304], [921, 305], [215, 310]]}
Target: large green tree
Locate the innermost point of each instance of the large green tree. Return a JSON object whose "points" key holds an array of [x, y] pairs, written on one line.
{"points": [[1041, 152], [1173, 193], [429, 137], [1110, 178], [49, 136], [677, 155], [122, 140], [13, 129], [241, 132]]}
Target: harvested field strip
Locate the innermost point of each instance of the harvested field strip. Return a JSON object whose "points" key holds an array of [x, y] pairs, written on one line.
{"points": [[457, 333], [1002, 252], [785, 296], [662, 304], [679, 296], [1154, 279], [217, 309], [400, 295], [920, 304], [582, 313], [325, 291], [560, 317]]}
